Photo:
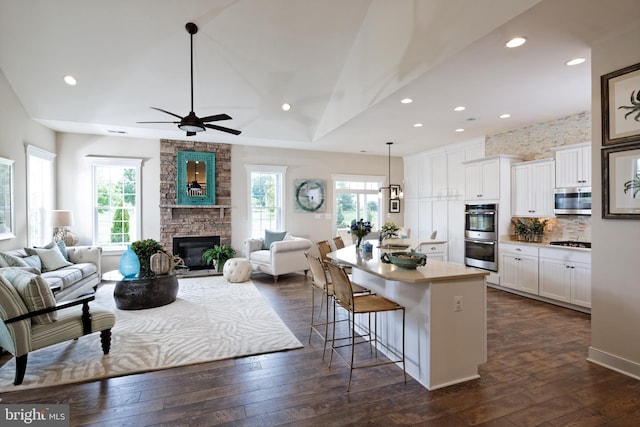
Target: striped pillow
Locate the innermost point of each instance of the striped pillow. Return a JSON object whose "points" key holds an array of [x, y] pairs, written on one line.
{"points": [[35, 293]]}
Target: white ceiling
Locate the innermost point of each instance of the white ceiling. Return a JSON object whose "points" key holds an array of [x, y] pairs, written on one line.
{"points": [[342, 65]]}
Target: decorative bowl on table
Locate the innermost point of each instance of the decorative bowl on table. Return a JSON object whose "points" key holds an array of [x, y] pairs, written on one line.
{"points": [[408, 260]]}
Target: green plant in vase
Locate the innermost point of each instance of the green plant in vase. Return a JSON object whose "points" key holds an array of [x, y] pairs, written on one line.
{"points": [[220, 254], [144, 249]]}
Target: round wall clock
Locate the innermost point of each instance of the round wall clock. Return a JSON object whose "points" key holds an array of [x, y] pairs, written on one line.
{"points": [[310, 195]]}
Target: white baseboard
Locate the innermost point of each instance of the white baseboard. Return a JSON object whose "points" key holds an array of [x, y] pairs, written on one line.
{"points": [[615, 363]]}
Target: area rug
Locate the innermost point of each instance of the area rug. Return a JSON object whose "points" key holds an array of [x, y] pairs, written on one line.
{"points": [[211, 319]]}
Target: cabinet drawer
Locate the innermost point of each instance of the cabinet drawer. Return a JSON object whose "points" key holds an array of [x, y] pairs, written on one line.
{"points": [[427, 248], [518, 249], [566, 255]]}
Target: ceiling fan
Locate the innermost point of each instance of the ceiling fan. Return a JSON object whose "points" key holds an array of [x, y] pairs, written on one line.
{"points": [[191, 123]]}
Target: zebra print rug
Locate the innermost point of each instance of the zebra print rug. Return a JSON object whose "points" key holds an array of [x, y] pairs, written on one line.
{"points": [[211, 319]]}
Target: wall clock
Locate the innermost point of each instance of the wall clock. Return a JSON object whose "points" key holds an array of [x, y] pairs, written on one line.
{"points": [[309, 195]]}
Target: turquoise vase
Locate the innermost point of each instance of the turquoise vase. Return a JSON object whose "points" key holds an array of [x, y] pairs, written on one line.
{"points": [[129, 263]]}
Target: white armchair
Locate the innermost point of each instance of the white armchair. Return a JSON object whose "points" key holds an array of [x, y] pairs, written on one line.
{"points": [[282, 257]]}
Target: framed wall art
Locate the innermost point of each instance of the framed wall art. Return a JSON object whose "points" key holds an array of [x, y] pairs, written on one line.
{"points": [[309, 195], [7, 224], [621, 106], [195, 178], [394, 206], [621, 182]]}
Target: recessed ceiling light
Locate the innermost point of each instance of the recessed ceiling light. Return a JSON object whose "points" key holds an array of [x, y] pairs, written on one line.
{"points": [[286, 107], [460, 108], [459, 130], [505, 116], [406, 101], [516, 41], [70, 80], [575, 61], [417, 125]]}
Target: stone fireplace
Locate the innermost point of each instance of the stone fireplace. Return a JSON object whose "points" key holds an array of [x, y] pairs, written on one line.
{"points": [[194, 221]]}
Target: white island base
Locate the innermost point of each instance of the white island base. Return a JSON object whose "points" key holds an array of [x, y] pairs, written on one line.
{"points": [[446, 319]]}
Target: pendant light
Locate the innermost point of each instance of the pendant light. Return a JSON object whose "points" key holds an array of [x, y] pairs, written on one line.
{"points": [[395, 190]]}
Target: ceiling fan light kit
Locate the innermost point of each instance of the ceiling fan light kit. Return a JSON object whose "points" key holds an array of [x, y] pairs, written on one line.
{"points": [[191, 123]]}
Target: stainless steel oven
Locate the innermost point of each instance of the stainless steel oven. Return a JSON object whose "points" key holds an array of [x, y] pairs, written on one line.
{"points": [[481, 254], [481, 236]]}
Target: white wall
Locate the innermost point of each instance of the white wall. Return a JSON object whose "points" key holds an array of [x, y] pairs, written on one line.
{"points": [[615, 312], [17, 131], [74, 181], [304, 164]]}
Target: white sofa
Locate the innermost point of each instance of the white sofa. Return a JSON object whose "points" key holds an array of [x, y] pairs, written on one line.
{"points": [[69, 282], [282, 257]]}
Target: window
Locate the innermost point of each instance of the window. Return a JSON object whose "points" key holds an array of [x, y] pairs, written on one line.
{"points": [[116, 201], [356, 197], [266, 189], [40, 194]]}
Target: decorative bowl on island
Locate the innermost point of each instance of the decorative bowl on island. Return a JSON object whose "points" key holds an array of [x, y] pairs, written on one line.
{"points": [[408, 260]]}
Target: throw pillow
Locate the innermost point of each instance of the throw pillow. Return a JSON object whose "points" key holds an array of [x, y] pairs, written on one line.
{"points": [[60, 245], [35, 293], [51, 259], [272, 236], [33, 261], [13, 261]]}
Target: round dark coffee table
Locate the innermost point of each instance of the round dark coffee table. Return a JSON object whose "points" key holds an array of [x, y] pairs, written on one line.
{"points": [[138, 294]]}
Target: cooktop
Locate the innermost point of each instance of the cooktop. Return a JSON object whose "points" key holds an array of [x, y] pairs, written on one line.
{"points": [[571, 244]]}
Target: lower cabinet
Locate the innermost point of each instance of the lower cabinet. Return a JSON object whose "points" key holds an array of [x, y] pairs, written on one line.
{"points": [[519, 267], [434, 251], [560, 274], [565, 275]]}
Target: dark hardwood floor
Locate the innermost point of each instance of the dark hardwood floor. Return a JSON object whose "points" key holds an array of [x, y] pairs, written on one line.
{"points": [[536, 374]]}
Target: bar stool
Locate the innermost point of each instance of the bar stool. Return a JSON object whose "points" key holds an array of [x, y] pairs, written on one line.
{"points": [[320, 283], [338, 242], [324, 248], [363, 304]]}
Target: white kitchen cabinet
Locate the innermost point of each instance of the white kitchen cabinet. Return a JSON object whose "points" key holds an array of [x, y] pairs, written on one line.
{"points": [[482, 180], [573, 166], [434, 251], [565, 275], [519, 267], [412, 167], [532, 185]]}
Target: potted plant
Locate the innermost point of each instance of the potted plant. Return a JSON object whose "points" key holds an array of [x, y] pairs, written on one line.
{"points": [[536, 229], [144, 249], [218, 254], [388, 231], [520, 229]]}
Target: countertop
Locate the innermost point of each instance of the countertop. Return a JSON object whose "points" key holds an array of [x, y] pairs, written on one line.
{"points": [[433, 271], [543, 244]]}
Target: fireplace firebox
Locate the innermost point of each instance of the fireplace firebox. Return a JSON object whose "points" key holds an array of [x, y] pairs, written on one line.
{"points": [[190, 249]]}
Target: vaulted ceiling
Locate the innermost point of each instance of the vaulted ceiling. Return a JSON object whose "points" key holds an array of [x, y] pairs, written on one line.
{"points": [[343, 66]]}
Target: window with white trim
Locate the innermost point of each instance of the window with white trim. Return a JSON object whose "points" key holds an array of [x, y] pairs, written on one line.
{"points": [[266, 201], [357, 197], [116, 201], [40, 194]]}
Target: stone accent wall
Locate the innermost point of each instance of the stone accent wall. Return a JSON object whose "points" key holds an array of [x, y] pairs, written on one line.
{"points": [[536, 142], [186, 221]]}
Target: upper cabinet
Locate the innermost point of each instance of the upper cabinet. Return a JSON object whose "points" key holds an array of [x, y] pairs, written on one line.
{"points": [[532, 185], [488, 178], [573, 166]]}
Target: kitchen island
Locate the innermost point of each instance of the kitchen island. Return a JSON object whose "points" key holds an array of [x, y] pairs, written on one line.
{"points": [[446, 321]]}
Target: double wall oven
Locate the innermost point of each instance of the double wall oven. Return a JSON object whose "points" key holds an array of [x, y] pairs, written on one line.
{"points": [[481, 236]]}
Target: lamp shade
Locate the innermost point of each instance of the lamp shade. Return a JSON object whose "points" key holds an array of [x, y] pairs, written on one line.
{"points": [[61, 218]]}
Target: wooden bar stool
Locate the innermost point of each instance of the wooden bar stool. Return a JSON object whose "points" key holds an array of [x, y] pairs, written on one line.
{"points": [[338, 242], [363, 304], [320, 283]]}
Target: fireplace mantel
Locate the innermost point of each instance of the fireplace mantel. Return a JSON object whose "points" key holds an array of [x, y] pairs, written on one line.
{"points": [[171, 208]]}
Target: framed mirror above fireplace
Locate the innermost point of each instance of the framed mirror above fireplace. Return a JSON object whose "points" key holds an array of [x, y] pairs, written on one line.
{"points": [[195, 178]]}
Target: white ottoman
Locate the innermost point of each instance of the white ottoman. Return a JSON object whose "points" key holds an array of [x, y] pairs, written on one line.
{"points": [[237, 270]]}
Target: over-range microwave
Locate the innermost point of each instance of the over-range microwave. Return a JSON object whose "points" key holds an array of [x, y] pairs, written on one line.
{"points": [[572, 201]]}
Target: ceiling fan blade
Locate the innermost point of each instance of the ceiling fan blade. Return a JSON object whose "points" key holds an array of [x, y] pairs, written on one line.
{"points": [[159, 122], [216, 118], [223, 129], [168, 112]]}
